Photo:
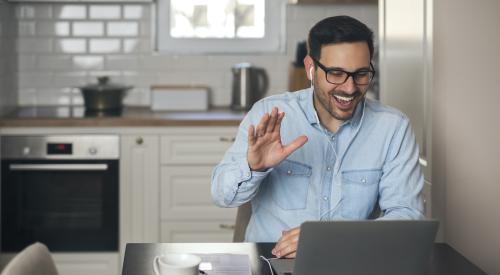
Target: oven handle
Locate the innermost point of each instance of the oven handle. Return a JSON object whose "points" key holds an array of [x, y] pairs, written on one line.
{"points": [[58, 167]]}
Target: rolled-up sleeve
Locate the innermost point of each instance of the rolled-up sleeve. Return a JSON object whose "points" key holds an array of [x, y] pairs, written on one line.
{"points": [[233, 183], [402, 180]]}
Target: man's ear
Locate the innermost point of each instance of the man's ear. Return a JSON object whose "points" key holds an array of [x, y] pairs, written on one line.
{"points": [[309, 67]]}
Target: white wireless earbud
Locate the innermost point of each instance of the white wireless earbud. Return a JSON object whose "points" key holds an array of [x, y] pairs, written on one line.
{"points": [[311, 76]]}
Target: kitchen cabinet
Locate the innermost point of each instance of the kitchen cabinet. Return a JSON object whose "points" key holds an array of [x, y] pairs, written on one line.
{"points": [[164, 187], [188, 214], [139, 189]]}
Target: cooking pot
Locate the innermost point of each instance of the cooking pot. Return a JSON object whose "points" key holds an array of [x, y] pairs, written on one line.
{"points": [[104, 96]]}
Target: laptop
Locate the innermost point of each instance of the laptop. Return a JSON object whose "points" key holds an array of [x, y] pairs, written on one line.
{"points": [[393, 247]]}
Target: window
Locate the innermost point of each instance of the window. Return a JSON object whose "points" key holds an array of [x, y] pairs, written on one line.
{"points": [[221, 26]]}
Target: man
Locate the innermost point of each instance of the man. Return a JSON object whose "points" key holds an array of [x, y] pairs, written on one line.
{"points": [[323, 153]]}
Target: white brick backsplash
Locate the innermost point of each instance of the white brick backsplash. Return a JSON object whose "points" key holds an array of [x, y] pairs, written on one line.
{"points": [[27, 97], [104, 45], [70, 79], [68, 46], [88, 28], [57, 99], [104, 12], [48, 28], [43, 11], [25, 11], [123, 29], [131, 45], [62, 45], [146, 45], [138, 96], [55, 62], [145, 28], [26, 62], [34, 45], [70, 11], [155, 62], [114, 75], [121, 62], [77, 99], [26, 28], [139, 78], [134, 12], [34, 80], [88, 62]]}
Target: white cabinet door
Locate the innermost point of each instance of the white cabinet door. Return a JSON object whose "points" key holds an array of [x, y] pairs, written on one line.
{"points": [[185, 194], [202, 147], [139, 189], [197, 232]]}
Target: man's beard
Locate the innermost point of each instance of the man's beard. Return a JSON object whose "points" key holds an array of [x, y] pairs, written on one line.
{"points": [[329, 105]]}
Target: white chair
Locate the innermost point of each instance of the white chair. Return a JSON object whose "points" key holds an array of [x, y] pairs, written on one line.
{"points": [[33, 260]]}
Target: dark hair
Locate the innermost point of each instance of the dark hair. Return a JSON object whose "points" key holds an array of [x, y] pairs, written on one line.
{"points": [[338, 29]]}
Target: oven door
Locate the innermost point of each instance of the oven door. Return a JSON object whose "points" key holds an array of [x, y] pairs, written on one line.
{"points": [[68, 205]]}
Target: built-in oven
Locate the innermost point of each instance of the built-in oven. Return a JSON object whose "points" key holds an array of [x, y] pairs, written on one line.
{"points": [[60, 190]]}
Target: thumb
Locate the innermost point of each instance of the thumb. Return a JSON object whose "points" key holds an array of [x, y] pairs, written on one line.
{"points": [[294, 145]]}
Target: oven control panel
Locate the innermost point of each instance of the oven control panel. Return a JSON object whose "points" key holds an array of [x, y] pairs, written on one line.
{"points": [[61, 147]]}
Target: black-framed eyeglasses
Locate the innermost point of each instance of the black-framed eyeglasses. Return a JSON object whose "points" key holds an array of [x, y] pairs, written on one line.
{"points": [[338, 76]]}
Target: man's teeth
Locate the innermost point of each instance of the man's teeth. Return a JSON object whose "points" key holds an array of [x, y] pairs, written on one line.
{"points": [[343, 98]]}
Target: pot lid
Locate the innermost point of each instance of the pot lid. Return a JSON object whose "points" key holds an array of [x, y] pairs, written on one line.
{"points": [[103, 84]]}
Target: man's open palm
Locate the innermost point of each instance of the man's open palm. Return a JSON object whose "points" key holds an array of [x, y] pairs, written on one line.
{"points": [[265, 149]]}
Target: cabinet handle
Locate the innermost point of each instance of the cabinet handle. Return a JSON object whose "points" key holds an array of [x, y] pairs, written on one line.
{"points": [[226, 139], [139, 141], [227, 226]]}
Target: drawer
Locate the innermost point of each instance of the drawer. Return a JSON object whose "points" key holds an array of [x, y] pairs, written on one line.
{"points": [[185, 194], [197, 232], [200, 148]]}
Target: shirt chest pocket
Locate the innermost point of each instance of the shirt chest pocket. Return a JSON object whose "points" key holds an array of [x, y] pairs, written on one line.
{"points": [[290, 184], [359, 192]]}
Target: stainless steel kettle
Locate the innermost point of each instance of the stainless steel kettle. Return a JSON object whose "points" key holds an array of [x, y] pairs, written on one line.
{"points": [[249, 85]]}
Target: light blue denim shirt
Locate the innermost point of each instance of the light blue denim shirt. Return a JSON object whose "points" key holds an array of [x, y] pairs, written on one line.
{"points": [[372, 158]]}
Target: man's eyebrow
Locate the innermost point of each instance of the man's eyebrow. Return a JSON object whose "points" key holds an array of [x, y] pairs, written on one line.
{"points": [[342, 69]]}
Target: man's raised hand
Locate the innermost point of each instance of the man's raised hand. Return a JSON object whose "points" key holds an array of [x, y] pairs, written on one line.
{"points": [[265, 149]]}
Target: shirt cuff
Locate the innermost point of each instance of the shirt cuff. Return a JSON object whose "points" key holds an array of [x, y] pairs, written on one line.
{"points": [[249, 179]]}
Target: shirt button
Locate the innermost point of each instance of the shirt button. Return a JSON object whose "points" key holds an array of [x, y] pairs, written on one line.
{"points": [[363, 180], [248, 174], [325, 198], [289, 172], [328, 168]]}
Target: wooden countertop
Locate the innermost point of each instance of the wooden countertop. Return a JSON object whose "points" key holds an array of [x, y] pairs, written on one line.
{"points": [[130, 117]]}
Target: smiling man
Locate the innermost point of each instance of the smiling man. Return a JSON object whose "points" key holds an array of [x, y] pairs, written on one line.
{"points": [[323, 153]]}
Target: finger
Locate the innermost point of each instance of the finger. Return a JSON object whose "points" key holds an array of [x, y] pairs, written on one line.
{"points": [[277, 127], [289, 248], [291, 245], [292, 255], [261, 128], [272, 120], [251, 135], [296, 144], [282, 243]]}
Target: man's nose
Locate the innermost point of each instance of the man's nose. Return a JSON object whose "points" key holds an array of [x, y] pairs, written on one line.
{"points": [[349, 86]]}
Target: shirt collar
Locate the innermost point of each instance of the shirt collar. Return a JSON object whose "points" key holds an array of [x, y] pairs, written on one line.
{"points": [[307, 104]]}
